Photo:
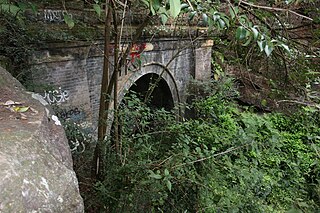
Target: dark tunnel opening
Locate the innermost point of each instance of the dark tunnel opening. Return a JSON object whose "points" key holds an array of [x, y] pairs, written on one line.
{"points": [[139, 134], [161, 96]]}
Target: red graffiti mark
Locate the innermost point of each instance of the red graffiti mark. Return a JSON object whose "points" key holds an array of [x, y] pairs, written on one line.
{"points": [[136, 51]]}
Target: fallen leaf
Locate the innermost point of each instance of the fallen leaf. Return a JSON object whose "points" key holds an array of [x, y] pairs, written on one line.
{"points": [[34, 111], [11, 102], [21, 109], [23, 117], [11, 109]]}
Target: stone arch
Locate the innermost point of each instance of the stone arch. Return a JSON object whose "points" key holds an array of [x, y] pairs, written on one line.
{"points": [[167, 82]]}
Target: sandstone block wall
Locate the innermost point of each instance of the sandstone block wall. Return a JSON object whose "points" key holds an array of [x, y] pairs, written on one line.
{"points": [[77, 68]]}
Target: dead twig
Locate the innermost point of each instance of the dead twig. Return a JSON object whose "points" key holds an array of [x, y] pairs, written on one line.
{"points": [[301, 103], [275, 9]]}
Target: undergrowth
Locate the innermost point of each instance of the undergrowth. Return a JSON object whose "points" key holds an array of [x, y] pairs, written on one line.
{"points": [[221, 159]]}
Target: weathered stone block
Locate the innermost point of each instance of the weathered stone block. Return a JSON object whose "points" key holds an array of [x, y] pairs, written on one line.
{"points": [[35, 161]]}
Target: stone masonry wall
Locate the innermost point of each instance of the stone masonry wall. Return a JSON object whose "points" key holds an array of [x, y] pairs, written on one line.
{"points": [[77, 69]]}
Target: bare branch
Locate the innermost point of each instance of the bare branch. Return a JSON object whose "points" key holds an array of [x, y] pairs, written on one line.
{"points": [[276, 9], [190, 5], [215, 155], [301, 103]]}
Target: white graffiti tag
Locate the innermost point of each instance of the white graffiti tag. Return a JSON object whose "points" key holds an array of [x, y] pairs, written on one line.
{"points": [[56, 96], [54, 15]]}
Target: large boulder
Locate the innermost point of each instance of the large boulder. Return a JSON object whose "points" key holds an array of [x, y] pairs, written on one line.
{"points": [[36, 173]]}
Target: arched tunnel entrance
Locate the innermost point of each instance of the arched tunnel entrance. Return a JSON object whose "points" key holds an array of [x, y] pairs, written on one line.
{"points": [[151, 93], [139, 136], [157, 90]]}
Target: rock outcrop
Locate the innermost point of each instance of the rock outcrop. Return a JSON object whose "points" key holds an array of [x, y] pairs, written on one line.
{"points": [[36, 173]]}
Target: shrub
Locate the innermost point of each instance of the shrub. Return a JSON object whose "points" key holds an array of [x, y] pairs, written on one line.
{"points": [[222, 160]]}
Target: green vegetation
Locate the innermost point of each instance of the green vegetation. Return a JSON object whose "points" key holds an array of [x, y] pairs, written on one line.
{"points": [[225, 159], [14, 50], [220, 157]]}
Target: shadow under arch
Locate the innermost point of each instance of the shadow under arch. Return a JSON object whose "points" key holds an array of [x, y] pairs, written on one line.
{"points": [[150, 69], [151, 86], [133, 135], [154, 88]]}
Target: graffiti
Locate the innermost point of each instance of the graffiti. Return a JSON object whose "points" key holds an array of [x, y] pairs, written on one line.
{"points": [[78, 131], [54, 15], [79, 135], [136, 50], [74, 114], [56, 96], [77, 146], [134, 59]]}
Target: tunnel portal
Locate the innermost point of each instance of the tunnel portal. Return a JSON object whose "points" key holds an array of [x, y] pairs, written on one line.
{"points": [[161, 96]]}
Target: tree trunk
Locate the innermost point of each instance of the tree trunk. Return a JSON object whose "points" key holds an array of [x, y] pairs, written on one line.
{"points": [[99, 152]]}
